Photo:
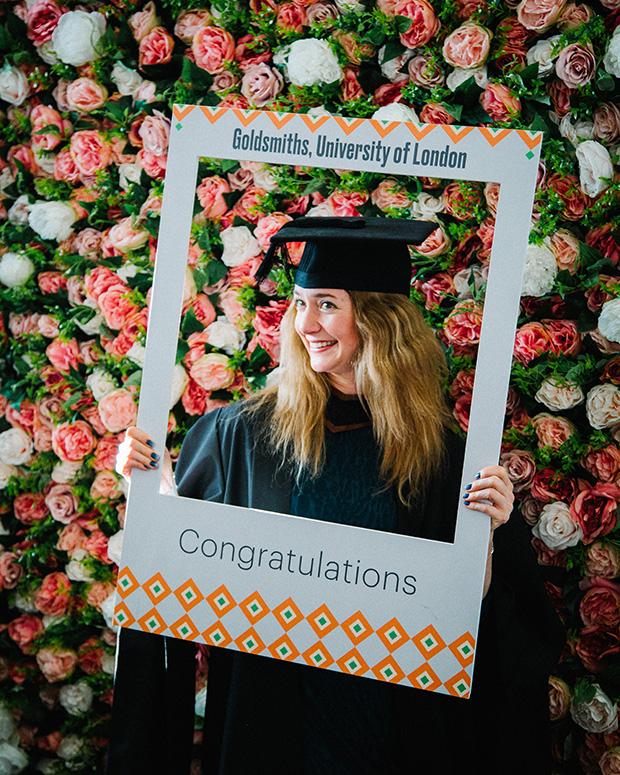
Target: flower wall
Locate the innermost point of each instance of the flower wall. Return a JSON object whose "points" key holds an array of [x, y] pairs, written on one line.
{"points": [[85, 99]]}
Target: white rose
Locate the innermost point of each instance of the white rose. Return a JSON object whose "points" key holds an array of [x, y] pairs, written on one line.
{"points": [[76, 36], [136, 353], [426, 205], [12, 759], [126, 80], [100, 383], [7, 723], [107, 610], [14, 87], [460, 74], [611, 60], [6, 179], [395, 111], [128, 173], [18, 211], [273, 378], [115, 546], [6, 472], [44, 160], [76, 698], [462, 280], [240, 245], [263, 178], [15, 269], [559, 396], [47, 766], [127, 271], [609, 320], [542, 53], [179, 383], [320, 210], [65, 471], [71, 747], [595, 167], [76, 569], [599, 715], [555, 527], [47, 53], [349, 5], [602, 406], [575, 132], [318, 110], [391, 68], [92, 326], [52, 220], [222, 334], [16, 447], [108, 663], [312, 61], [539, 271]]}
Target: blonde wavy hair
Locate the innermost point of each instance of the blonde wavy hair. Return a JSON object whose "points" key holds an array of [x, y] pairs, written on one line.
{"points": [[399, 369]]}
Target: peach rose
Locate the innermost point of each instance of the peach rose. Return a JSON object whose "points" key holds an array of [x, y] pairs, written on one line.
{"points": [[144, 21], [600, 606], [126, 236], [499, 102], [98, 592], [116, 307], [106, 452], [603, 560], [63, 355], [194, 399], [559, 698], [290, 17], [212, 48], [531, 340], [436, 113], [56, 664], [538, 15], [24, 630], [105, 486], [552, 431], [565, 247], [210, 194], [156, 48], [65, 168], [70, 538], [267, 226], [85, 95], [97, 546], [424, 24], [609, 763], [212, 371], [390, 194], [90, 152], [574, 15], [54, 594], [521, 468], [30, 507], [47, 127], [118, 410], [189, 22], [467, 46], [460, 199], [603, 464], [10, 570], [73, 441], [62, 503], [573, 198], [462, 326], [261, 84]]}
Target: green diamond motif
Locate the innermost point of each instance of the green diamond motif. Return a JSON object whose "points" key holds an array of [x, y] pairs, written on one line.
{"points": [[424, 680], [179, 126], [357, 627], [322, 620], [125, 582], [189, 594], [429, 642], [392, 634], [221, 601], [254, 607], [288, 613], [466, 649], [529, 155], [250, 643], [120, 617], [283, 651], [152, 623], [389, 672], [461, 687], [184, 630], [317, 658], [352, 664], [217, 637]]}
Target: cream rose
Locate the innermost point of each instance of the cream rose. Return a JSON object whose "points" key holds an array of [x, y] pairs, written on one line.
{"points": [[611, 60], [115, 547], [76, 36], [559, 395], [16, 447], [212, 371], [459, 75], [542, 54], [395, 111], [598, 715], [100, 383], [126, 80], [65, 471], [555, 527], [426, 206], [76, 569], [602, 406], [539, 271], [179, 383], [76, 698], [240, 245], [52, 220], [311, 61], [15, 269], [118, 410], [596, 169], [223, 335], [6, 472], [609, 320], [14, 87]]}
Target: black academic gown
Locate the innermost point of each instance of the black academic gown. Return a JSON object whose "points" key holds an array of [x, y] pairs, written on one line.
{"points": [[249, 724]]}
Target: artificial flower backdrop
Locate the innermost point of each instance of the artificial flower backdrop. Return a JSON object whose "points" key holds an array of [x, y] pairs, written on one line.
{"points": [[85, 100]]}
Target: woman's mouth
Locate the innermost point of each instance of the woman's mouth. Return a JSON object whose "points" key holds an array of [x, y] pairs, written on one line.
{"points": [[317, 347]]}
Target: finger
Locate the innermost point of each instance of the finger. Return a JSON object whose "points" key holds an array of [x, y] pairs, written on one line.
{"points": [[496, 498], [137, 433], [490, 482], [139, 457], [498, 516]]}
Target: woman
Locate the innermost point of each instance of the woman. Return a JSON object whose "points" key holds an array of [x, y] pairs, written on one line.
{"points": [[356, 431]]}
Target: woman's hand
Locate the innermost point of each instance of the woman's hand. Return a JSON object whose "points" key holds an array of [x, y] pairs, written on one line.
{"points": [[493, 485], [135, 451]]}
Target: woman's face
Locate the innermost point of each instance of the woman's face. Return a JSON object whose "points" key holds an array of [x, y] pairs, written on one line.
{"points": [[324, 320]]}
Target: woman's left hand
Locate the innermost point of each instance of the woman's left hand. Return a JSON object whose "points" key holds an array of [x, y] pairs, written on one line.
{"points": [[494, 486]]}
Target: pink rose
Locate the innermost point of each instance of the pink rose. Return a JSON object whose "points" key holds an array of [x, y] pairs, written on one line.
{"points": [[210, 194], [565, 247], [267, 326], [89, 151], [499, 102], [51, 282], [564, 336], [531, 340], [62, 503], [212, 48], [98, 591], [291, 17], [424, 24], [41, 18], [70, 538], [521, 468], [435, 113], [189, 22], [97, 546], [467, 46], [24, 630], [194, 399], [267, 226], [603, 560], [594, 510], [125, 236], [228, 301], [435, 289], [425, 72], [600, 606], [42, 117], [56, 664], [155, 132], [390, 194], [261, 84], [10, 570], [574, 15], [156, 47], [538, 15], [576, 65], [596, 647], [63, 355], [106, 452], [607, 123], [153, 164], [118, 410], [462, 326], [65, 168], [551, 430], [212, 371], [73, 441], [86, 242], [116, 307], [436, 244], [144, 21], [609, 763], [98, 281], [105, 486], [30, 507], [345, 203], [54, 594], [85, 95], [603, 464]]}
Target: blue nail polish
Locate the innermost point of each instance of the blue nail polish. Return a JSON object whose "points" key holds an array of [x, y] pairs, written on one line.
{"points": [[466, 497], [468, 486], [477, 475], [150, 443], [153, 464], [154, 455]]}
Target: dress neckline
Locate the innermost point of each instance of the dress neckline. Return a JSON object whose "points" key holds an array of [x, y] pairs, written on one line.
{"points": [[345, 412]]}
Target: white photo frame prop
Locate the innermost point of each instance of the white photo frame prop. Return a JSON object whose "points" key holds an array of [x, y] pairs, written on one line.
{"points": [[425, 638]]}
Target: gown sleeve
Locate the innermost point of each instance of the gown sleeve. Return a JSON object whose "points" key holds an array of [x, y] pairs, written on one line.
{"points": [[153, 711]]}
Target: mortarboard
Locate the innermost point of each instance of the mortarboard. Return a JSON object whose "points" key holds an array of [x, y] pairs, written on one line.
{"points": [[354, 254]]}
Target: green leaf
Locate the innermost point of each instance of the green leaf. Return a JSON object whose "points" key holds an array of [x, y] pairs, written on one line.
{"points": [[190, 323], [182, 350], [215, 271], [135, 378], [402, 23], [393, 49], [605, 82]]}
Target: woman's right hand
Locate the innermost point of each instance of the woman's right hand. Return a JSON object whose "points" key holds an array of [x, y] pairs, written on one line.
{"points": [[135, 452]]}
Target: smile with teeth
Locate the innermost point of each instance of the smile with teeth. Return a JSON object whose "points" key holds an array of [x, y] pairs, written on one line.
{"points": [[318, 346]]}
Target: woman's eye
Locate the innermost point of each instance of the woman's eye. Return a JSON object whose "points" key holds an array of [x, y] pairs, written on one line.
{"points": [[327, 305], [298, 303]]}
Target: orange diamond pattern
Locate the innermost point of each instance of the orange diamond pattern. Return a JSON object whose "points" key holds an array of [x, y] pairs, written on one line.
{"points": [[357, 627], [322, 621], [184, 628], [156, 588], [217, 635], [352, 663], [250, 642], [284, 648], [123, 616], [424, 677], [318, 656], [254, 607], [388, 670], [392, 635], [458, 685], [126, 583], [463, 649], [221, 601], [188, 595], [429, 642], [288, 614], [152, 622]]}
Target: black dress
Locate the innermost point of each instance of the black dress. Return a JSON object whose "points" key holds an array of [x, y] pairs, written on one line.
{"points": [[273, 718]]}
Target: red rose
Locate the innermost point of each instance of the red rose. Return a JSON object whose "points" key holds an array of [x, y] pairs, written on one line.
{"points": [[291, 17], [54, 594], [461, 199], [267, 326], [594, 510], [41, 18], [90, 655], [603, 464], [24, 630], [462, 326], [549, 485], [105, 453], [595, 646], [564, 336], [531, 340], [156, 47], [600, 606], [462, 409], [603, 238], [466, 251], [252, 50], [424, 24], [435, 289], [30, 507], [560, 95], [435, 113], [194, 398]]}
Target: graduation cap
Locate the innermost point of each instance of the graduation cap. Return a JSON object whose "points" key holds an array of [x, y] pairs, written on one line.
{"points": [[353, 254]]}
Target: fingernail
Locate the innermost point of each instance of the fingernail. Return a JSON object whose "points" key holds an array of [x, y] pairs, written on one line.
{"points": [[466, 497], [468, 486], [154, 455], [477, 475], [154, 464], [150, 443]]}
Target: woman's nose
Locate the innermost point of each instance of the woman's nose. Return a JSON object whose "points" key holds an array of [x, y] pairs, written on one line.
{"points": [[307, 321]]}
